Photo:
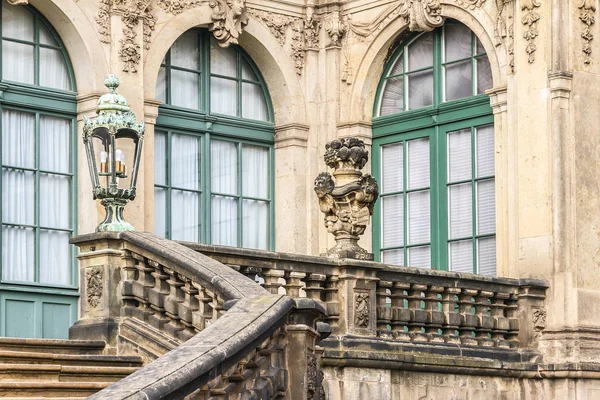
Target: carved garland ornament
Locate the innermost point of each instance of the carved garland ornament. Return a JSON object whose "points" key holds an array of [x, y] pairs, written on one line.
{"points": [[361, 309], [176, 7], [504, 29], [470, 4], [530, 20], [588, 18], [94, 286]]}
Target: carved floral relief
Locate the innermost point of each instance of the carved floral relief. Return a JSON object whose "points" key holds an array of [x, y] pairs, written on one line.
{"points": [[361, 309], [587, 15], [94, 286], [530, 20]]}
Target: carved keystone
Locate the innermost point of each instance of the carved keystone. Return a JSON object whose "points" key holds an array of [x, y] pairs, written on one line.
{"points": [[348, 202]]}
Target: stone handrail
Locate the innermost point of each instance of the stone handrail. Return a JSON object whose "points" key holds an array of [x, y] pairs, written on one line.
{"points": [[203, 328], [402, 304]]}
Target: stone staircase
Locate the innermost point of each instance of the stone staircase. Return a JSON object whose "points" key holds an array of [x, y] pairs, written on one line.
{"points": [[58, 369]]}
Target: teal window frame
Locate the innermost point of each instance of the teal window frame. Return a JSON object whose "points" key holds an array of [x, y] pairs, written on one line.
{"points": [[208, 126], [433, 122], [43, 101]]}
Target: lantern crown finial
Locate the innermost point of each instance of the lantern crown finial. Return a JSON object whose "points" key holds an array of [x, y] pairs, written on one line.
{"points": [[112, 82], [112, 102]]}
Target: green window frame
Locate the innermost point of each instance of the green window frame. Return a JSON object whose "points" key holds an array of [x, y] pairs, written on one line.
{"points": [[41, 102], [208, 126], [394, 131]]}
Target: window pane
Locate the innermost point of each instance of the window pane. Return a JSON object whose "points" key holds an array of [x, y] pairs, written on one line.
{"points": [[420, 52], [392, 166], [398, 66], [458, 80], [17, 62], [53, 69], [223, 163], [420, 89], [255, 171], [55, 258], [486, 207], [392, 100], [392, 221], [161, 85], [55, 144], [160, 211], [255, 224], [224, 221], [17, 254], [55, 201], [185, 165], [18, 196], [247, 72], [184, 89], [478, 46], [185, 221], [461, 256], [417, 153], [18, 139], [254, 105], [418, 217], [17, 22], [185, 51], [486, 249], [223, 61], [461, 211], [46, 36], [459, 155], [223, 96], [419, 257], [395, 257], [457, 42], [484, 135], [160, 158], [484, 75]]}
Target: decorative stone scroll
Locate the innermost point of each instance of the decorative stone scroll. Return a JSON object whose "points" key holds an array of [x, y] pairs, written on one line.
{"points": [[176, 7], [347, 203], [94, 286], [587, 15], [422, 15], [229, 18], [530, 20]]}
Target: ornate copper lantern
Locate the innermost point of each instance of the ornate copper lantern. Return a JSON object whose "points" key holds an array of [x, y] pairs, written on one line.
{"points": [[107, 138]]}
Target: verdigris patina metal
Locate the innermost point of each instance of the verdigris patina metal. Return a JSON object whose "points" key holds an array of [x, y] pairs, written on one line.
{"points": [[115, 122], [346, 198]]}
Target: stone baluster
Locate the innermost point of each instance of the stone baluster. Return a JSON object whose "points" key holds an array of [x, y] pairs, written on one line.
{"points": [[501, 323], [293, 283], [157, 295], [314, 286], [418, 317], [451, 316], [172, 303], [400, 311], [141, 288], [486, 322], [512, 311], [469, 320], [384, 309], [435, 316], [128, 276], [272, 282], [187, 308], [202, 317], [333, 302]]}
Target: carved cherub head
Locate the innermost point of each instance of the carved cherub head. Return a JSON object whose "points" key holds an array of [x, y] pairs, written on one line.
{"points": [[237, 7]]}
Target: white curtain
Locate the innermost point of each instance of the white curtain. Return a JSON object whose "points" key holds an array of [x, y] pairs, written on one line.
{"points": [[255, 183], [223, 92], [55, 200], [17, 58], [18, 188], [160, 178], [224, 210], [254, 105], [185, 174], [53, 69]]}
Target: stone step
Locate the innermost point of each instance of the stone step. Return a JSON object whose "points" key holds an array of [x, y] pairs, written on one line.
{"points": [[59, 373], [53, 346], [43, 390], [24, 357]]}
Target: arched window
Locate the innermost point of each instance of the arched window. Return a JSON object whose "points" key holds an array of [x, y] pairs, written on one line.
{"points": [[38, 141], [213, 146], [433, 151]]}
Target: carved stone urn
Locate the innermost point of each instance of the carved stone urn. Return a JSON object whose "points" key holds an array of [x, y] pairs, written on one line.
{"points": [[346, 198]]}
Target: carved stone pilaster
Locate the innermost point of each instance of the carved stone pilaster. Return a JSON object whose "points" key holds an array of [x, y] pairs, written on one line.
{"points": [[349, 205], [587, 15], [530, 20], [229, 18]]}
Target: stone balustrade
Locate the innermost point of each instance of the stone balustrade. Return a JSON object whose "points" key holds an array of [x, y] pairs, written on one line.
{"points": [[401, 304]]}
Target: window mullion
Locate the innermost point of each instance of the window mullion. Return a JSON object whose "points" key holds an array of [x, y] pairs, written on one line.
{"points": [[474, 201], [167, 211], [240, 198], [438, 80], [405, 199], [36, 59], [201, 169], [36, 263], [208, 188]]}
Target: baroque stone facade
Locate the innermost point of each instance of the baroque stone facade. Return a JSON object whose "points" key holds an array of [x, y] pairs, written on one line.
{"points": [[322, 63]]}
